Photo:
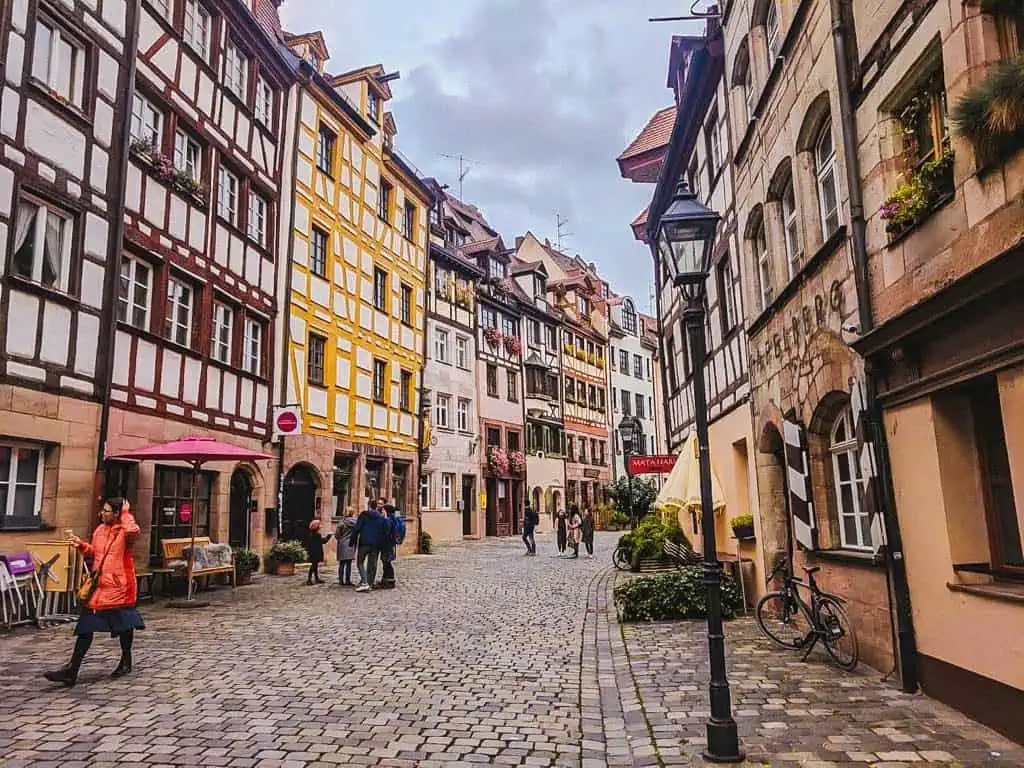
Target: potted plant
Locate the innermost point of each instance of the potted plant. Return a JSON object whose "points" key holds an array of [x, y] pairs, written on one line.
{"points": [[743, 527], [990, 113], [498, 461], [285, 554], [492, 336], [567, 348], [513, 345], [517, 462], [247, 563]]}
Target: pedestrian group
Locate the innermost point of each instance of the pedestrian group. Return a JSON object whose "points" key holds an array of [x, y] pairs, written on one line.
{"points": [[372, 538], [571, 530]]}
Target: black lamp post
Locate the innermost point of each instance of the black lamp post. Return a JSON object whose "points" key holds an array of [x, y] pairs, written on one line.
{"points": [[686, 233], [630, 429]]}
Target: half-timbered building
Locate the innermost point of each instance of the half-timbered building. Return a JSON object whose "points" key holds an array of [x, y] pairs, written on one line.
{"points": [[67, 69], [197, 271]]}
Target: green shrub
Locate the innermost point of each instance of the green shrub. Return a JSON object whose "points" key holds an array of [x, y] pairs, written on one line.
{"points": [[741, 521], [680, 594], [426, 543], [616, 521], [246, 561], [288, 552], [647, 540]]}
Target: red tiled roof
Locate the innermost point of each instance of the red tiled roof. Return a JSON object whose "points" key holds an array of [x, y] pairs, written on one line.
{"points": [[268, 18], [655, 134], [639, 225]]}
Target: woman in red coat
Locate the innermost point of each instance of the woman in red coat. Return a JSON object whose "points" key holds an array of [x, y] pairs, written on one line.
{"points": [[112, 606]]}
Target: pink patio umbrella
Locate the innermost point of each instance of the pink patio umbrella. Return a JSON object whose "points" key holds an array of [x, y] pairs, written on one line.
{"points": [[195, 451]]}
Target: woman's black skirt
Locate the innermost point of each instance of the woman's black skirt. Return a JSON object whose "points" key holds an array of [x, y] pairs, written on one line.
{"points": [[112, 620]]}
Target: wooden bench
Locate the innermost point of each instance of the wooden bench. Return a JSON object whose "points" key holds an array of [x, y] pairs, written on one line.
{"points": [[174, 549], [681, 555]]}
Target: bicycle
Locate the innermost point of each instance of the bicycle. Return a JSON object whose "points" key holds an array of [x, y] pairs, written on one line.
{"points": [[790, 622], [622, 558]]}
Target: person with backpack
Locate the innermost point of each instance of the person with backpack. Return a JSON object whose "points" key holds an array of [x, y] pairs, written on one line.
{"points": [[371, 533], [397, 531], [530, 522]]}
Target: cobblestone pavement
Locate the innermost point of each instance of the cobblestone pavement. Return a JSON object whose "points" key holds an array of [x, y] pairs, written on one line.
{"points": [[475, 658]]}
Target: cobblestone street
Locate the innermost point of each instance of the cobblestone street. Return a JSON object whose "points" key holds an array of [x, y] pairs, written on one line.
{"points": [[475, 658]]}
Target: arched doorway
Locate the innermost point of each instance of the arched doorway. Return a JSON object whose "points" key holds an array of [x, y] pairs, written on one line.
{"points": [[299, 503], [773, 488], [556, 504], [239, 509], [537, 499]]}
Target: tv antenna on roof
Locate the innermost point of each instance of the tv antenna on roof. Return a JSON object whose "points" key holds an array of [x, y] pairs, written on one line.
{"points": [[560, 225], [465, 166]]}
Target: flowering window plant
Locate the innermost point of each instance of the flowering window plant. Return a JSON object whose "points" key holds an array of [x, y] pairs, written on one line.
{"points": [[513, 345], [498, 461], [492, 336]]}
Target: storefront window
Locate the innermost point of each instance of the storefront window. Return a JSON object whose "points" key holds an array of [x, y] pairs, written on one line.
{"points": [[172, 489], [343, 468], [400, 486], [374, 476]]}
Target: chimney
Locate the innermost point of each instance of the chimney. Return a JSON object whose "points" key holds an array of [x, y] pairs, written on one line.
{"points": [[547, 242]]}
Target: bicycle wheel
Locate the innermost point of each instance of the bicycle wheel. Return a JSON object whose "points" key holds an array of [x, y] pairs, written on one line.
{"points": [[621, 559], [781, 620], [840, 638]]}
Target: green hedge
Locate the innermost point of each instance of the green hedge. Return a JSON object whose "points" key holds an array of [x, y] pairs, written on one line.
{"points": [[647, 540], [680, 594]]}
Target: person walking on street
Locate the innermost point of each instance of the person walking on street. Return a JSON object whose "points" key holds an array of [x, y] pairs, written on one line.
{"points": [[530, 521], [110, 604], [396, 535], [346, 549], [316, 552], [371, 532], [560, 528], [587, 530], [575, 523]]}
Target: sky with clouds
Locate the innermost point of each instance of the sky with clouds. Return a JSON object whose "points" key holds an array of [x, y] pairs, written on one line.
{"points": [[541, 94]]}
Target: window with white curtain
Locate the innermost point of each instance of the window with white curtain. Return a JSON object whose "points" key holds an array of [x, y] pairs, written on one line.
{"points": [[133, 292], [223, 326], [854, 521], [42, 244], [828, 184], [21, 484], [178, 321], [58, 61]]}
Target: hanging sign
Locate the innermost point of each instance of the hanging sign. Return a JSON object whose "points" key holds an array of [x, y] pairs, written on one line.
{"points": [[651, 465], [287, 421], [185, 512]]}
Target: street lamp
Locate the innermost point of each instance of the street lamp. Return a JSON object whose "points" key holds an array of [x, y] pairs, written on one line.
{"points": [[630, 430], [686, 233]]}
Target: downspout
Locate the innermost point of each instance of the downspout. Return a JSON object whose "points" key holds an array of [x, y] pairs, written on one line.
{"points": [[117, 246], [420, 474], [885, 494]]}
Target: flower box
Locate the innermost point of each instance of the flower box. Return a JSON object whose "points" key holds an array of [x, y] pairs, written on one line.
{"points": [[513, 345], [924, 191], [492, 336]]}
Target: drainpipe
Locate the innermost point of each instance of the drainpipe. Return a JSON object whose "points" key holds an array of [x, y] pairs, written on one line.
{"points": [[420, 473], [885, 494], [115, 249]]}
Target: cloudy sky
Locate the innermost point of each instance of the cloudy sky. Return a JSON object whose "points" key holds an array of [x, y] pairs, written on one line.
{"points": [[541, 94]]}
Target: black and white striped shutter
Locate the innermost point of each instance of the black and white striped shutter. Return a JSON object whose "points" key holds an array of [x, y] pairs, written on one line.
{"points": [[798, 473], [867, 461]]}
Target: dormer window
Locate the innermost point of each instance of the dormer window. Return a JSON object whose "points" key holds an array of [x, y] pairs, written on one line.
{"points": [[496, 269], [373, 104], [539, 287], [583, 305]]}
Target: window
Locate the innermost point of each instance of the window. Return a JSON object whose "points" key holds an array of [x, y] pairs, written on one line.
{"points": [[749, 95], [570, 445], [694, 175], [257, 219], [21, 485], [315, 363], [493, 437], [223, 325], [188, 155], [380, 289], [727, 297], [197, 28], [513, 386], [649, 365], [384, 201], [42, 245], [764, 266], [496, 269], [629, 318], [447, 489], [236, 70], [409, 220], [714, 143], [1010, 29], [570, 390], [773, 40], [583, 450], [264, 108], [462, 352], [325, 150], [59, 62], [673, 377], [227, 196], [791, 225], [592, 396], [146, 120], [640, 407], [509, 326], [171, 489], [133, 292], [178, 321], [373, 104], [828, 185], [584, 306], [638, 366], [492, 380], [164, 7], [600, 399], [925, 124], [380, 374], [533, 327], [854, 528], [425, 481], [512, 442], [442, 411], [441, 345], [462, 414], [405, 393], [627, 403], [252, 352], [552, 334], [624, 361], [595, 453], [406, 304]]}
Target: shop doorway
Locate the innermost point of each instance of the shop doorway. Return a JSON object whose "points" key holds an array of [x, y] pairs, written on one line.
{"points": [[468, 503], [240, 509], [491, 527], [299, 503]]}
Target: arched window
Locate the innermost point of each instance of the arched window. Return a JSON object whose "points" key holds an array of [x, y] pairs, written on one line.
{"points": [[854, 525], [772, 33], [629, 317], [763, 260], [828, 185], [743, 78], [791, 227]]}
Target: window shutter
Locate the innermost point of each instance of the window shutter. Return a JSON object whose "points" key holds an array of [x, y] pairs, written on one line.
{"points": [[798, 473], [867, 460]]}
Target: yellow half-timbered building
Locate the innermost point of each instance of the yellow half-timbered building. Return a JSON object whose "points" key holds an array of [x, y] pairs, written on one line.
{"points": [[355, 323]]}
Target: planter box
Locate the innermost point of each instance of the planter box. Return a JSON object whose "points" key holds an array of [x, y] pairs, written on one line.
{"points": [[284, 569], [743, 532], [243, 579]]}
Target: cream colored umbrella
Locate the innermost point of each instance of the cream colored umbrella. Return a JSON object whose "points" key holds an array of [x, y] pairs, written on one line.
{"points": [[681, 492]]}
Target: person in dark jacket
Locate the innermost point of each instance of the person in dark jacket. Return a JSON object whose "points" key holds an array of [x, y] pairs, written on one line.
{"points": [[562, 531], [396, 535], [372, 532], [346, 547], [316, 552], [530, 522], [587, 530]]}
